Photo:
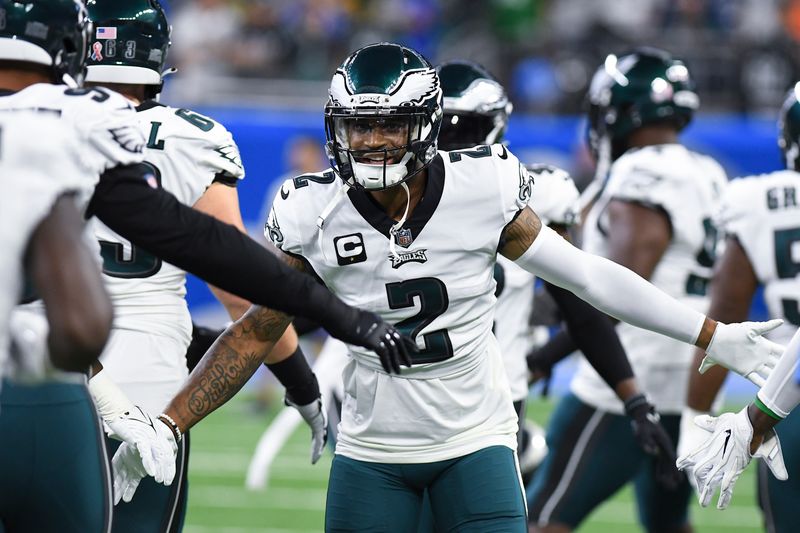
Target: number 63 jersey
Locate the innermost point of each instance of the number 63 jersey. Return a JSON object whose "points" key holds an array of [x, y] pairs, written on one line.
{"points": [[438, 289], [186, 153]]}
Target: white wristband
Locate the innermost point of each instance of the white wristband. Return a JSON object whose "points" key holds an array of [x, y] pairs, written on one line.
{"points": [[111, 402]]}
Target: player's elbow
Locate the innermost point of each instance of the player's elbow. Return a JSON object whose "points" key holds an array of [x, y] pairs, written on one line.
{"points": [[78, 339]]}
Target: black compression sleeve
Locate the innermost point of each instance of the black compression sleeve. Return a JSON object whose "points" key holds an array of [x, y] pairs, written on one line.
{"points": [[216, 252], [594, 334], [295, 374]]}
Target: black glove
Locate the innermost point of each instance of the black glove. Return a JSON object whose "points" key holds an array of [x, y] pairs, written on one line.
{"points": [[654, 440], [370, 331], [202, 339]]}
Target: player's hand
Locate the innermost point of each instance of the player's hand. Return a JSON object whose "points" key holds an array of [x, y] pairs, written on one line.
{"points": [[370, 331], [741, 347], [653, 439], [314, 415], [691, 437], [148, 447], [723, 456]]}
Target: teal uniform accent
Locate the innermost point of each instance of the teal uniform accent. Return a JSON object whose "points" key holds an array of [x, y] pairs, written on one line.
{"points": [[608, 457], [477, 493], [55, 474], [778, 499], [155, 508]]}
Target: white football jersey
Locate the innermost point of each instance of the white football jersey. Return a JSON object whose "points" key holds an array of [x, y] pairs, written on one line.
{"points": [[103, 126], [187, 152], [688, 187], [102, 122], [555, 200], [763, 214], [38, 164], [439, 289]]}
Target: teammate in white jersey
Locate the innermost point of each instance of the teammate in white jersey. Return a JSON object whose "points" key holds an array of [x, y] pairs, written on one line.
{"points": [[46, 41], [476, 111], [653, 215], [760, 219], [413, 233], [42, 243], [197, 160]]}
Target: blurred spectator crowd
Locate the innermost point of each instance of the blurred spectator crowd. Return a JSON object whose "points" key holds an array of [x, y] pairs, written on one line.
{"points": [[744, 54]]}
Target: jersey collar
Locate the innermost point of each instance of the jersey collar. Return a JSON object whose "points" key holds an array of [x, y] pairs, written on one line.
{"points": [[374, 214]]}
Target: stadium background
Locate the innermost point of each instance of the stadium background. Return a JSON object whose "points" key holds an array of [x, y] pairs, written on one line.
{"points": [[261, 67]]}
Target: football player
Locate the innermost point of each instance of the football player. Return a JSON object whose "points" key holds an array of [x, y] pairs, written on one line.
{"points": [[41, 237], [413, 233], [45, 42], [761, 222], [653, 215], [197, 160], [476, 111]]}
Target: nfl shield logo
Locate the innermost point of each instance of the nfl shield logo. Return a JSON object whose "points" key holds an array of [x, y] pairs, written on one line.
{"points": [[404, 237]]}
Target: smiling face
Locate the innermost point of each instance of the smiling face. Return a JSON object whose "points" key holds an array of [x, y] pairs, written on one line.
{"points": [[387, 136]]}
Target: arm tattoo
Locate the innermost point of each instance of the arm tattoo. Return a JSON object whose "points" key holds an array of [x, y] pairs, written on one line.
{"points": [[519, 234], [231, 361]]}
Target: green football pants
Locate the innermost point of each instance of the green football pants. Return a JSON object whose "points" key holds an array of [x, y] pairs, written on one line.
{"points": [[478, 492], [54, 473], [779, 499], [155, 508]]}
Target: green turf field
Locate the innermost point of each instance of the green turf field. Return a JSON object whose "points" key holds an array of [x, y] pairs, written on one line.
{"points": [[294, 502]]}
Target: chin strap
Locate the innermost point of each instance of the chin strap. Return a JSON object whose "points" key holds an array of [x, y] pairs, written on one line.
{"points": [[327, 213], [397, 226]]}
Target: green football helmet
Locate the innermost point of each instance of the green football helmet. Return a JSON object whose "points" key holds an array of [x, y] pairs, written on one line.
{"points": [[644, 87], [130, 44], [383, 85], [53, 33], [789, 128], [476, 106]]}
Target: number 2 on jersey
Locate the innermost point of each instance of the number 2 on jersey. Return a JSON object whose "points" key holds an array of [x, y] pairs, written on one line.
{"points": [[141, 264], [433, 300]]}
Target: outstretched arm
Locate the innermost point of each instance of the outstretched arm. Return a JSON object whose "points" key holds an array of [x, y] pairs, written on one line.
{"points": [[622, 294]]}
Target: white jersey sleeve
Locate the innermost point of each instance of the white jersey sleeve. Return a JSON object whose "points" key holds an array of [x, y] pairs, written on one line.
{"points": [[103, 123], [555, 197]]}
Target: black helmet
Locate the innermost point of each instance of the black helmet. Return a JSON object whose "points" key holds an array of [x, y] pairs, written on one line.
{"points": [[789, 126], [476, 106], [130, 44], [389, 84], [644, 87], [54, 33]]}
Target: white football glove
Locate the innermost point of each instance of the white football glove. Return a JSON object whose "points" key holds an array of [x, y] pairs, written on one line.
{"points": [[148, 448], [723, 456], [741, 347], [314, 415], [691, 437]]}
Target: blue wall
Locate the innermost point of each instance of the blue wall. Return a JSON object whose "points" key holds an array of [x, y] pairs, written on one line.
{"points": [[742, 145]]}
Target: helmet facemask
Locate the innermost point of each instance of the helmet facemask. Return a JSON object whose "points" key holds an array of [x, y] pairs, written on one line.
{"points": [[383, 116], [375, 149]]}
